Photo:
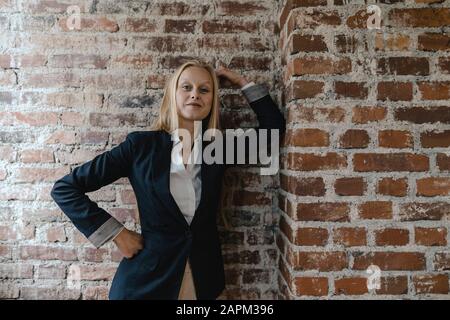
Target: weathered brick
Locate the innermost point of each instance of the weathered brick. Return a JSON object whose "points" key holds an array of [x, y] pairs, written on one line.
{"points": [[390, 260], [350, 237], [255, 276], [96, 293], [229, 26], [50, 272], [391, 237], [393, 285], [354, 138], [403, 66], [363, 115], [16, 271], [365, 162], [392, 42], [235, 8], [307, 43], [311, 162], [83, 61], [325, 211], [292, 4], [140, 25], [430, 236], [413, 211], [48, 293], [441, 261], [301, 89], [419, 17], [315, 114], [97, 272], [375, 210], [56, 234], [319, 65], [433, 139], [248, 198], [350, 286], [350, 186], [307, 138], [434, 90], [303, 186], [354, 90], [429, 283], [395, 139], [311, 286], [349, 43], [423, 114], [243, 257], [436, 186], [395, 91], [320, 261], [311, 237]]}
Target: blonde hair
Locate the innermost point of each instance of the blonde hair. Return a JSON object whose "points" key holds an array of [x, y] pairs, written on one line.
{"points": [[168, 118]]}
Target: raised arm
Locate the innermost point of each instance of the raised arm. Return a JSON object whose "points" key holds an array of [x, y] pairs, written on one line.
{"points": [[268, 115]]}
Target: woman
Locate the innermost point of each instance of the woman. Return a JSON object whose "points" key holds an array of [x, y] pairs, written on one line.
{"points": [[178, 253]]}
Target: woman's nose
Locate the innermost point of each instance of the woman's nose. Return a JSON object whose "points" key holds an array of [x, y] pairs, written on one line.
{"points": [[194, 95]]}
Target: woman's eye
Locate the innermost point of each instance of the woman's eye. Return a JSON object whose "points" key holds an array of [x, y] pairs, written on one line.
{"points": [[203, 89]]}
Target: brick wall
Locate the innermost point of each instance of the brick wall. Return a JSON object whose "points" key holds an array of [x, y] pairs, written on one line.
{"points": [[365, 178], [67, 95], [365, 163]]}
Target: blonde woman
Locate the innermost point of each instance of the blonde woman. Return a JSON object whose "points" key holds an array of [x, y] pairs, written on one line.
{"points": [[178, 253]]}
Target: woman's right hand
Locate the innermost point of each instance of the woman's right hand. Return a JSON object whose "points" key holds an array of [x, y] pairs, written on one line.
{"points": [[129, 242]]}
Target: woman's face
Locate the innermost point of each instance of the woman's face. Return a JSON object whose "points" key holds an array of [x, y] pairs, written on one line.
{"points": [[194, 94]]}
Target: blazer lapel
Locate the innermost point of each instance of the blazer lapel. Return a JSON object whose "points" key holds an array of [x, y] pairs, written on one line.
{"points": [[161, 178], [205, 186]]}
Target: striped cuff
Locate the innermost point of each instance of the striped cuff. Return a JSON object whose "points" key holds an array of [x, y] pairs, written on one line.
{"points": [[106, 232], [255, 92]]}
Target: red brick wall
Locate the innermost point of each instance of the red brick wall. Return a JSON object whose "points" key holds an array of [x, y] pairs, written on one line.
{"points": [[68, 95], [366, 160], [365, 163]]}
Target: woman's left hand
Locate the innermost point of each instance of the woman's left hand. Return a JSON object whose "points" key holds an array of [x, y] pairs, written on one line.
{"points": [[232, 76]]}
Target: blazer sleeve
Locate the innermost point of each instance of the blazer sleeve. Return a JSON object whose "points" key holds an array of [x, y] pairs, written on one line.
{"points": [[69, 192], [268, 115]]}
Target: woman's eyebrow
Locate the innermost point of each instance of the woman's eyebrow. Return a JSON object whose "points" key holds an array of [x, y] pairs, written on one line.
{"points": [[204, 82]]}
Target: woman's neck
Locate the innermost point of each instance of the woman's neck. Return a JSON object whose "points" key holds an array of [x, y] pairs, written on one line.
{"points": [[187, 125]]}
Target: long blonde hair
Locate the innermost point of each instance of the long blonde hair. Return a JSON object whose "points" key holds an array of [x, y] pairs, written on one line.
{"points": [[168, 118]]}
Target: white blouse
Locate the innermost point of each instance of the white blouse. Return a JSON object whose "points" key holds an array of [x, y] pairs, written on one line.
{"points": [[185, 181]]}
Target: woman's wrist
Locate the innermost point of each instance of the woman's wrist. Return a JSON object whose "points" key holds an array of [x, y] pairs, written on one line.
{"points": [[242, 82], [119, 235]]}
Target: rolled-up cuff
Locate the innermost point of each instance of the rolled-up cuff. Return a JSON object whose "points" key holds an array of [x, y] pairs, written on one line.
{"points": [[255, 92], [248, 85], [106, 232]]}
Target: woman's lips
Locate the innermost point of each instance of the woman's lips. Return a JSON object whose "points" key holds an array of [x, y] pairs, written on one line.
{"points": [[194, 105]]}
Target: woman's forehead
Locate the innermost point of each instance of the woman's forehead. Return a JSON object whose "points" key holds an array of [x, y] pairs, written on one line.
{"points": [[195, 73]]}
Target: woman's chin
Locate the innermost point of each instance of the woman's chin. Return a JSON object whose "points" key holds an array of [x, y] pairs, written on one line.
{"points": [[194, 117]]}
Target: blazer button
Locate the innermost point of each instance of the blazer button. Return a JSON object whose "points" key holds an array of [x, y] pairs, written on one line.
{"points": [[188, 234]]}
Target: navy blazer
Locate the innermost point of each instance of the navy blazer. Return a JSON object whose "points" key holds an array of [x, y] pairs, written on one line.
{"points": [[156, 272]]}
